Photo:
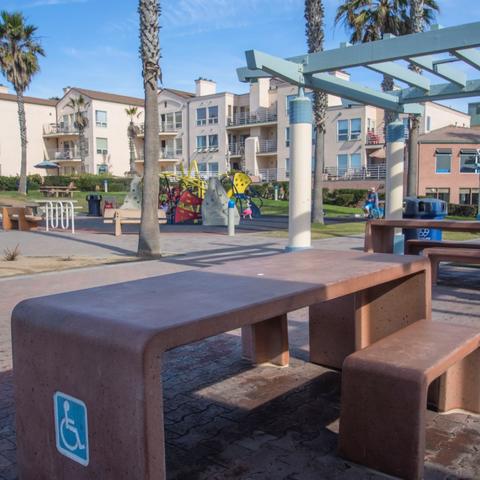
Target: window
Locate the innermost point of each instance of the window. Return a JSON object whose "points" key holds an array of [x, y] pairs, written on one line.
{"points": [[443, 161], [102, 146], [201, 142], [101, 118], [287, 136], [370, 125], [342, 163], [213, 142], [356, 161], [429, 123], [229, 112], [342, 130], [202, 167], [201, 116], [287, 167], [468, 196], [178, 120], [213, 167], [355, 128], [440, 193], [468, 161], [213, 114], [178, 146]]}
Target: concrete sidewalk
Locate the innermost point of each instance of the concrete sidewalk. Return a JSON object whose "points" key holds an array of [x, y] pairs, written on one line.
{"points": [[228, 420]]}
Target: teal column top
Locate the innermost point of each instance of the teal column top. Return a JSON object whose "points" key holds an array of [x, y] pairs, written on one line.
{"points": [[300, 110], [396, 132]]}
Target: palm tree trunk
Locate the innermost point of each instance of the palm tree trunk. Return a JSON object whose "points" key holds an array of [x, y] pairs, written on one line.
{"points": [[149, 239], [132, 151], [317, 210], [22, 187], [81, 146]]}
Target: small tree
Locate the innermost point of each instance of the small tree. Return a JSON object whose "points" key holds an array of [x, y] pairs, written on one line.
{"points": [[149, 239], [19, 52], [80, 106], [132, 132]]}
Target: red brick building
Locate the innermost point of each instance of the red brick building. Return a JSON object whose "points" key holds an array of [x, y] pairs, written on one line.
{"points": [[446, 164]]}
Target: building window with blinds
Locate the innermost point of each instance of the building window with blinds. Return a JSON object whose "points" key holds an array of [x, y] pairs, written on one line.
{"points": [[443, 160]]}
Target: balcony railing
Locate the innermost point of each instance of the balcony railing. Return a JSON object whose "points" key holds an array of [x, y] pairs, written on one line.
{"points": [[59, 129], [164, 154], [267, 146], [165, 127], [374, 139], [261, 116], [370, 172], [65, 155], [236, 148]]}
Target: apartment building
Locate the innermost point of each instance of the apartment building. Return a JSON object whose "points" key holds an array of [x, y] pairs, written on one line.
{"points": [[38, 111]]}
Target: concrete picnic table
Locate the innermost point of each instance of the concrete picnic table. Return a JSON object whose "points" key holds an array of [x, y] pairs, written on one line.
{"points": [[379, 233], [56, 191], [88, 364]]}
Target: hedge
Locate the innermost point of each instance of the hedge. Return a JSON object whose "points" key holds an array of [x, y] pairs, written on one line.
{"points": [[462, 210]]}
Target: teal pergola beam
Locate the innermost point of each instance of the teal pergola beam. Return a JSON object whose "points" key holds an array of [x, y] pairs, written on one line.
{"points": [[401, 73], [469, 55], [444, 91], [404, 47], [259, 63], [441, 70]]}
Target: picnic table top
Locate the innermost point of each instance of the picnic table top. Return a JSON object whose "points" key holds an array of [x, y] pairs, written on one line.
{"points": [[57, 187], [461, 225], [187, 306]]}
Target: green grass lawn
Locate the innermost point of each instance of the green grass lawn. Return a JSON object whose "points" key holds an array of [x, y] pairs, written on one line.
{"points": [[280, 207]]}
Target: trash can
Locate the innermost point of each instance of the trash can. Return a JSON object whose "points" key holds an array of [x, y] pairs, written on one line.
{"points": [[424, 208], [94, 205]]}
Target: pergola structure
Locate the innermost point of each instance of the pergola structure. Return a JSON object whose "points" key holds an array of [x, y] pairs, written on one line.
{"points": [[436, 51]]}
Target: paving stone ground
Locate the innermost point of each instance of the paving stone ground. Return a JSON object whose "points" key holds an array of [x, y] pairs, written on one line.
{"points": [[225, 419]]}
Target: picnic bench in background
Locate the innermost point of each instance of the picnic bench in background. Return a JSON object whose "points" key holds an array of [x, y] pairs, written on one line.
{"points": [[58, 191], [104, 346], [379, 234], [19, 218], [384, 393], [416, 246], [127, 216]]}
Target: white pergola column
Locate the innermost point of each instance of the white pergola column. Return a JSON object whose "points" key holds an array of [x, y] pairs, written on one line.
{"points": [[395, 165], [299, 222]]}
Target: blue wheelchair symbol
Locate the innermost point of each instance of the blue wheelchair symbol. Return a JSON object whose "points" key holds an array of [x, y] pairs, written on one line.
{"points": [[71, 427]]}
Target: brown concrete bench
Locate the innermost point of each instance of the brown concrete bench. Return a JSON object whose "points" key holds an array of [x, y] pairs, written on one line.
{"points": [[120, 217], [458, 255], [384, 393], [415, 246], [18, 218]]}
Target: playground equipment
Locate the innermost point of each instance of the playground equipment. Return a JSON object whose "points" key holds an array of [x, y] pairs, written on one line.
{"points": [[215, 205], [245, 199]]}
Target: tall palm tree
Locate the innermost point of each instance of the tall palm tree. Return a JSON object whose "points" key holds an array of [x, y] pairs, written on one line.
{"points": [[421, 13], [314, 15], [19, 52], [149, 239], [132, 132], [80, 106]]}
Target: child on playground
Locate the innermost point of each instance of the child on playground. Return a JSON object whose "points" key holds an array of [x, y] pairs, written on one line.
{"points": [[371, 202], [248, 211]]}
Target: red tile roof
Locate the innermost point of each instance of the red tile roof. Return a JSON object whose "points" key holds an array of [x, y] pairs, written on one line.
{"points": [[34, 100]]}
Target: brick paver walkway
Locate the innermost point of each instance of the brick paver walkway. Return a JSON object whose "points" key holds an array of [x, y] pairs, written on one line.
{"points": [[228, 420]]}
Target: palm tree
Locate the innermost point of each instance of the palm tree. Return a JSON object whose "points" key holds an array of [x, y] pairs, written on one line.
{"points": [[132, 132], [314, 15], [149, 239], [19, 52], [80, 106], [421, 13]]}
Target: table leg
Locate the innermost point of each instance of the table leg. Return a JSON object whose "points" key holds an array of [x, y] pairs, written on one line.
{"points": [[344, 325], [267, 341], [378, 239]]}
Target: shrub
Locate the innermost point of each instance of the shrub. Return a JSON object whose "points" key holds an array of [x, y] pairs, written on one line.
{"points": [[8, 183], [462, 210]]}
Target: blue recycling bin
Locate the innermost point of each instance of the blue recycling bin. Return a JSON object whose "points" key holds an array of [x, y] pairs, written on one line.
{"points": [[424, 208], [94, 205]]}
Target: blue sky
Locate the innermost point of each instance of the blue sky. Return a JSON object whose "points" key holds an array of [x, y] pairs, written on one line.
{"points": [[94, 43]]}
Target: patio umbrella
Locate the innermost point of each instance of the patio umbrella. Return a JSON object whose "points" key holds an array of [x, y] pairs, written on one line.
{"points": [[46, 164]]}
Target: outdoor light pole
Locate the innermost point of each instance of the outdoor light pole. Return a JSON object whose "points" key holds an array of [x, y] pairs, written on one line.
{"points": [[300, 188]]}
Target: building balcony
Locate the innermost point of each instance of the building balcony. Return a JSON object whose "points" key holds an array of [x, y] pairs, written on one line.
{"points": [[165, 129], [65, 155], [375, 140], [213, 148], [369, 172], [58, 130], [165, 155], [267, 146], [236, 149], [259, 118]]}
